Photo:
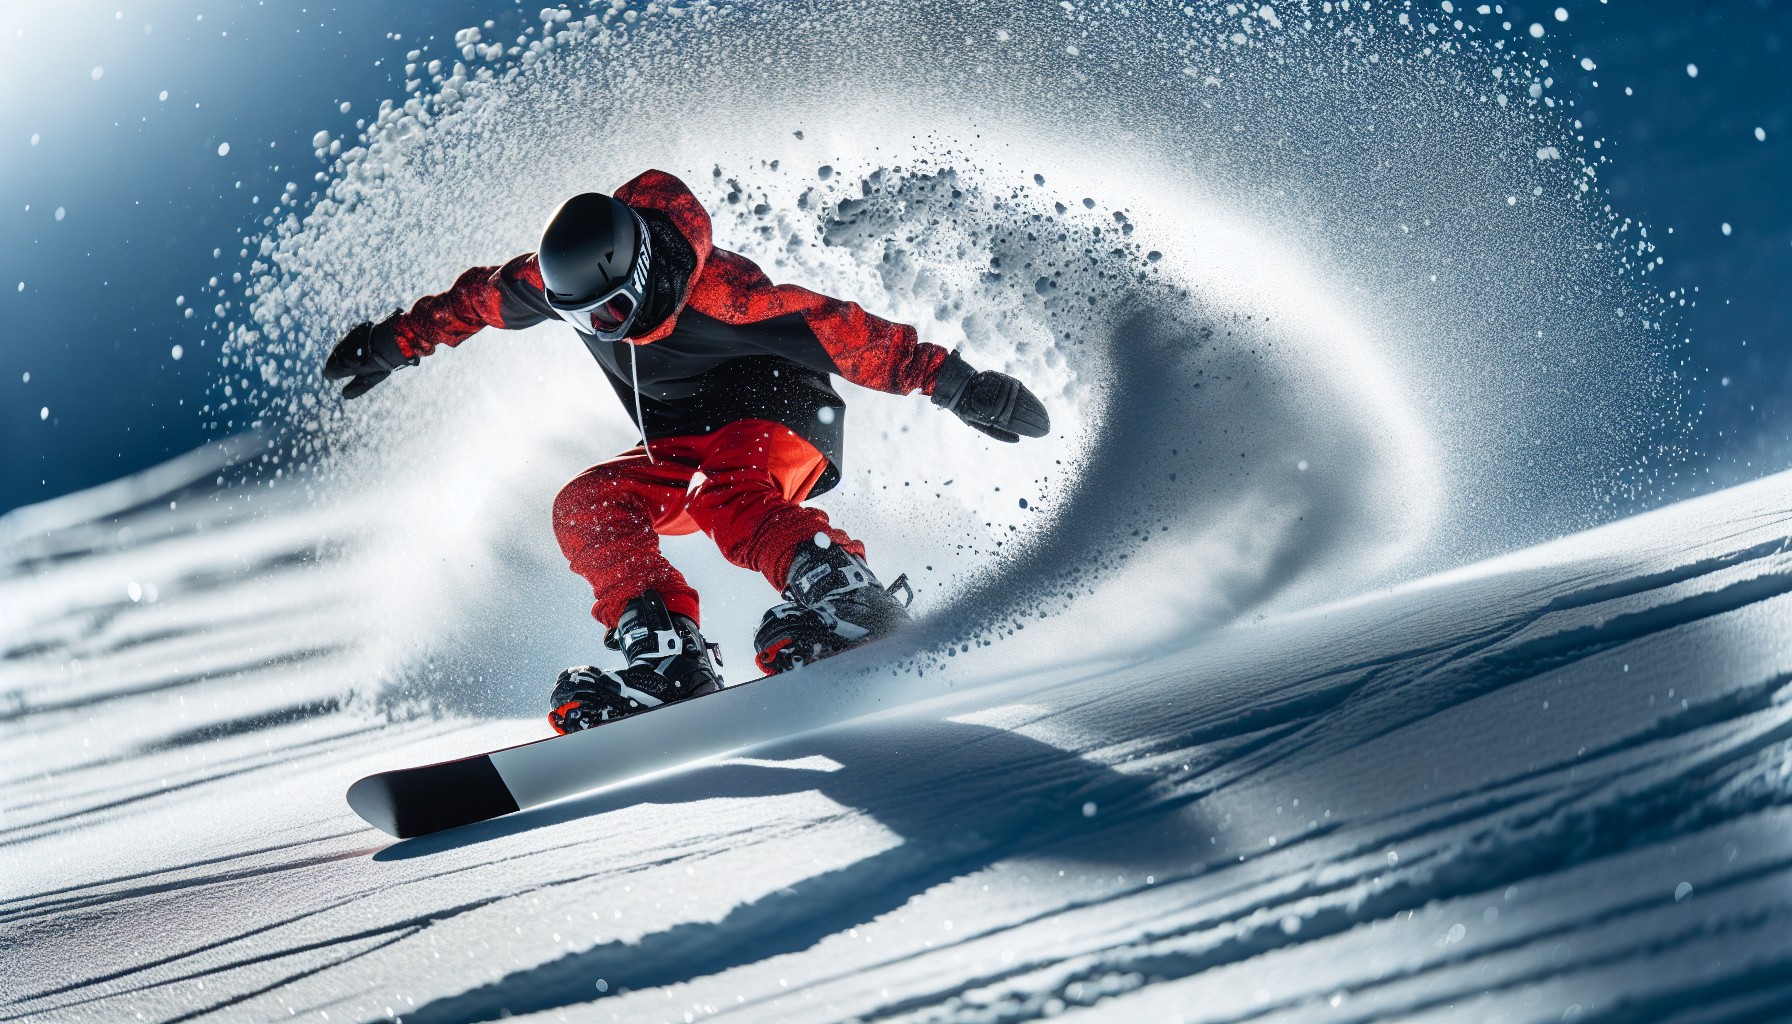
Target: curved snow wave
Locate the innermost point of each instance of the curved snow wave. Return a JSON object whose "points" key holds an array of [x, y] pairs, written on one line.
{"points": [[1182, 239]]}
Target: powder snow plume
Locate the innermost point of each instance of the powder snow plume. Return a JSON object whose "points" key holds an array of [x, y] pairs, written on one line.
{"points": [[1295, 342]]}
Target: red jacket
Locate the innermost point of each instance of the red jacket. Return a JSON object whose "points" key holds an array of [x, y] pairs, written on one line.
{"points": [[735, 347]]}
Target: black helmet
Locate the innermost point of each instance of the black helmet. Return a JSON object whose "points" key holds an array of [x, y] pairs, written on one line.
{"points": [[595, 256]]}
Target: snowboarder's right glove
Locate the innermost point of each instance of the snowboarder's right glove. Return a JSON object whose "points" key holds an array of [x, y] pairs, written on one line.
{"points": [[368, 353], [994, 403]]}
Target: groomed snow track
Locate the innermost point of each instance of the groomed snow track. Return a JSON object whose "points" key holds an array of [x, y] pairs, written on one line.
{"points": [[1549, 787]]}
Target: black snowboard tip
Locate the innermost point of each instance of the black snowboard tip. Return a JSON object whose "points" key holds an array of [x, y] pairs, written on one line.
{"points": [[417, 801]]}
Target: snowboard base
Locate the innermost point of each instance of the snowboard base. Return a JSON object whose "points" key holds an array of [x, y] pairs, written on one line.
{"points": [[411, 802]]}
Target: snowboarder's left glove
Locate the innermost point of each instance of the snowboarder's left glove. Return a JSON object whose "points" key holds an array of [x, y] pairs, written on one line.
{"points": [[368, 353], [994, 403]]}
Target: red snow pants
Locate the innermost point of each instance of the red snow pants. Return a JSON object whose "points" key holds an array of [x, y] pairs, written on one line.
{"points": [[608, 519]]}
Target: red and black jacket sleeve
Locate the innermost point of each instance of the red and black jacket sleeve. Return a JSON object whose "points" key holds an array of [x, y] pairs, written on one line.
{"points": [[509, 297], [867, 350]]}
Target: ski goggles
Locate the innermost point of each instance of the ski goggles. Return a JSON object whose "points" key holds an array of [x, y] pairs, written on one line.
{"points": [[611, 314]]}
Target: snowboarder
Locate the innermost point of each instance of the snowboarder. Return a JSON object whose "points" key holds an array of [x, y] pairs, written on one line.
{"points": [[724, 374]]}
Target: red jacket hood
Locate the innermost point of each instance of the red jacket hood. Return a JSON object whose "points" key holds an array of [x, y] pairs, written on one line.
{"points": [[657, 190]]}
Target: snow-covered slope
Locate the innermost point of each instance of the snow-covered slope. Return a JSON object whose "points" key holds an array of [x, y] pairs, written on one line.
{"points": [[1549, 787]]}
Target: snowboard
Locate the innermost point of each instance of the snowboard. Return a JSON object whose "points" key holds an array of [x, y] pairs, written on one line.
{"points": [[410, 802]]}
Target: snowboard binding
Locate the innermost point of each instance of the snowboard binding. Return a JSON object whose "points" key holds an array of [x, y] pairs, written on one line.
{"points": [[832, 603], [668, 661]]}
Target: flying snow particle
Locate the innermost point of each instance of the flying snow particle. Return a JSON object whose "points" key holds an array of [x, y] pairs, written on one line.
{"points": [[1561, 14], [1692, 71], [223, 149], [320, 140], [823, 541], [1290, 924], [27, 376], [1760, 135], [180, 300], [135, 590], [1089, 809], [98, 73], [1681, 891], [1071, 50], [177, 352], [22, 288], [343, 107], [1726, 227], [1536, 30], [1587, 64], [35, 137], [1511, 200], [44, 413], [164, 96], [61, 213]]}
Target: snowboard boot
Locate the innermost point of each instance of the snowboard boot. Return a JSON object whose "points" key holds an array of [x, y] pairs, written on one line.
{"points": [[668, 661], [832, 603]]}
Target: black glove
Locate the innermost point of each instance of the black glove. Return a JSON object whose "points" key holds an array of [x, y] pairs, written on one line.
{"points": [[368, 353], [994, 403]]}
